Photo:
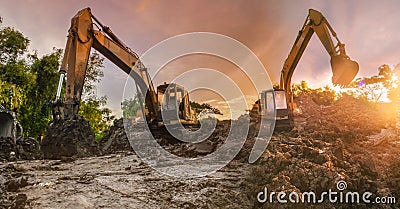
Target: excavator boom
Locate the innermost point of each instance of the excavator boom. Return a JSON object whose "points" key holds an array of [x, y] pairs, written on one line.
{"points": [[343, 69], [81, 38]]}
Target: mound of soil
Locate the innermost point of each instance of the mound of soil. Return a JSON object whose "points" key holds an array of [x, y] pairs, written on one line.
{"points": [[115, 139], [348, 119], [69, 138], [329, 144], [7, 149], [11, 181], [28, 149]]}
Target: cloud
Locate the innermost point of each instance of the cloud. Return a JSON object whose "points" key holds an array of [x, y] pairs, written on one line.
{"points": [[269, 28]]}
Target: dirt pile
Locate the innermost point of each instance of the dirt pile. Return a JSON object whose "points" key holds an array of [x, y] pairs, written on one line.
{"points": [[7, 149], [348, 118], [328, 144], [115, 140], [23, 148], [207, 146], [11, 181], [303, 164], [28, 149], [69, 138]]}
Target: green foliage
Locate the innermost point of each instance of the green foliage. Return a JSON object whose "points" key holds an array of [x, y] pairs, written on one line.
{"points": [[374, 88], [12, 44], [301, 88], [15, 78], [321, 96], [29, 83], [205, 106], [130, 107], [99, 117], [94, 73], [92, 108], [35, 113]]}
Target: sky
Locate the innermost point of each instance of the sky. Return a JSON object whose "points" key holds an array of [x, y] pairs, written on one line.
{"points": [[370, 30]]}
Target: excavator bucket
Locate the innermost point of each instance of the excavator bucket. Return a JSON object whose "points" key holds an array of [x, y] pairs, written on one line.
{"points": [[344, 70]]}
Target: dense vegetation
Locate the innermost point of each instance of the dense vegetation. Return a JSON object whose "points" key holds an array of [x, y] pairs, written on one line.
{"points": [[28, 84]]}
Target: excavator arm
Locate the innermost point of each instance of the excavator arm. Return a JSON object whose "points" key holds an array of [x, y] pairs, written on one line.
{"points": [[344, 70], [81, 38]]}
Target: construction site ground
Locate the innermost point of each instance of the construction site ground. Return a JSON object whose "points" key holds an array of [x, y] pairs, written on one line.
{"points": [[349, 141]]}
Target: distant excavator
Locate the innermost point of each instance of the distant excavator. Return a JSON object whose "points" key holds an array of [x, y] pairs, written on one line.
{"points": [[170, 99], [343, 68]]}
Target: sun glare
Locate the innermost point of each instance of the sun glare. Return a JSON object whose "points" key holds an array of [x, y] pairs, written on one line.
{"points": [[395, 81]]}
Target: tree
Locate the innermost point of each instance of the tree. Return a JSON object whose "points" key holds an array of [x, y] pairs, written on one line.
{"points": [[321, 96], [27, 82], [374, 88], [301, 88], [13, 44], [92, 107], [204, 106], [98, 117], [94, 74], [36, 106], [131, 106], [14, 76]]}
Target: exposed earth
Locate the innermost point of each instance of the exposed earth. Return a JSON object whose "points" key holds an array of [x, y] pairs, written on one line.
{"points": [[348, 141]]}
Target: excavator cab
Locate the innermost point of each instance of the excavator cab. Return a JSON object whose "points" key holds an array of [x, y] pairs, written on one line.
{"points": [[174, 106], [276, 100]]}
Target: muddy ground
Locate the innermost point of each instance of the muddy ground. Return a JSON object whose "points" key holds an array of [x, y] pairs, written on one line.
{"points": [[349, 141]]}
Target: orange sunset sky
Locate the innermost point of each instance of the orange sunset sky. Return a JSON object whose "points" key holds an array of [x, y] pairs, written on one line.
{"points": [[370, 30]]}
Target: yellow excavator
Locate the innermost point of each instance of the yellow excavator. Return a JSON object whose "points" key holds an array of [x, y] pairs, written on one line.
{"points": [[171, 99], [343, 68]]}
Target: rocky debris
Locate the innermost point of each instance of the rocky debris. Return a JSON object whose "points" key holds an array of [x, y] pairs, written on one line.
{"points": [[120, 181], [328, 144], [28, 149], [7, 149], [69, 138], [23, 148], [304, 164], [348, 118], [207, 146], [115, 140], [11, 181]]}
